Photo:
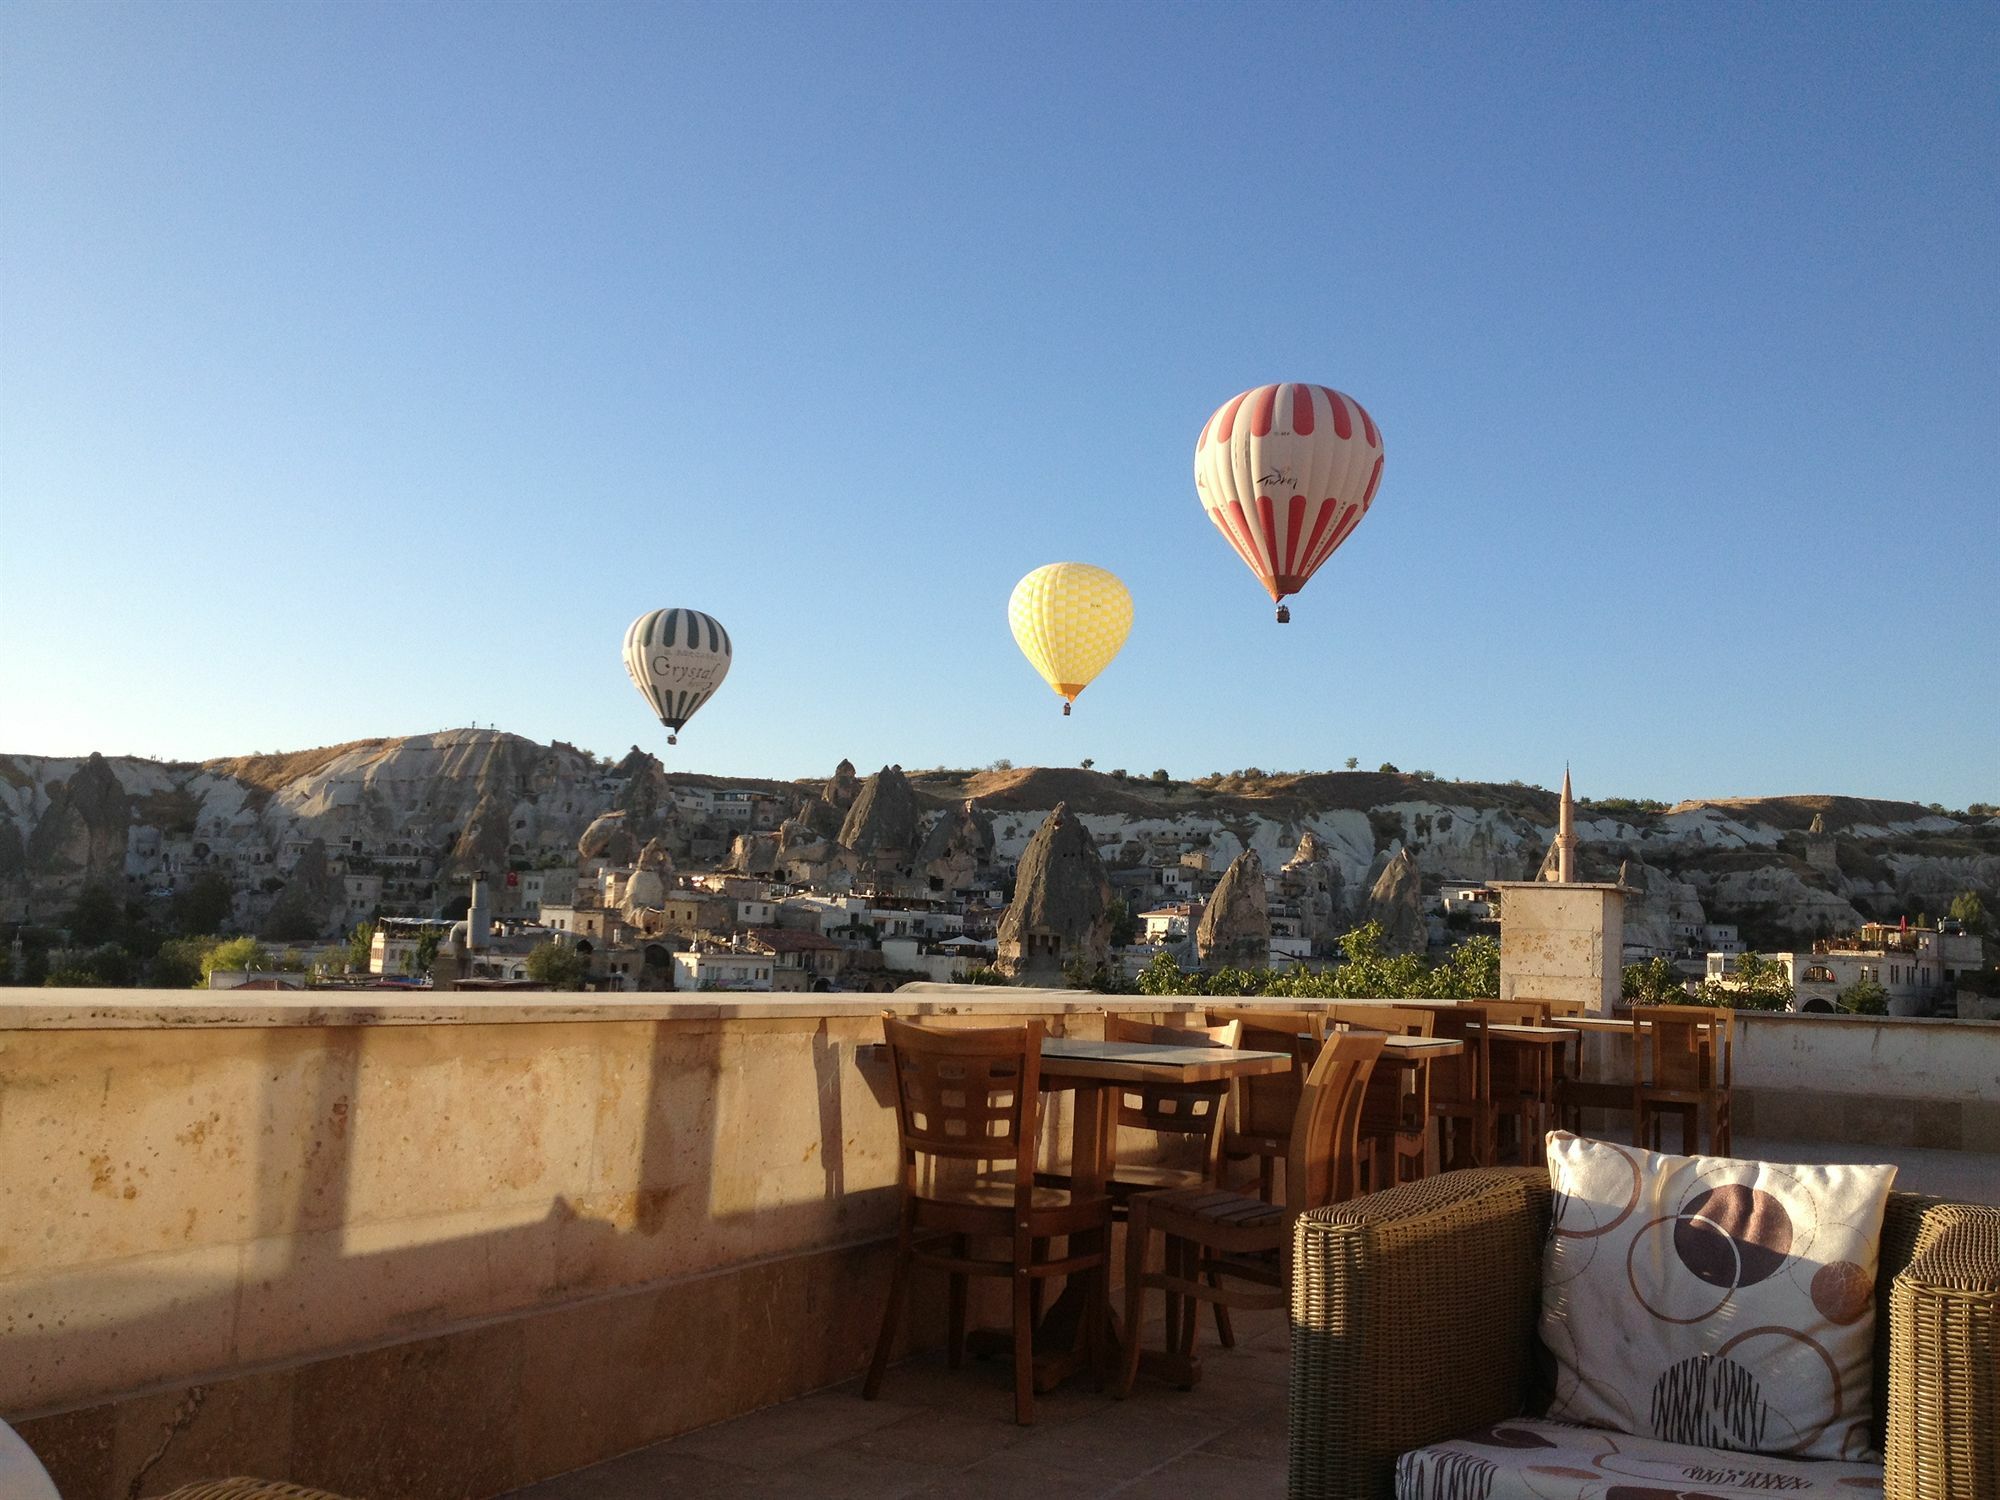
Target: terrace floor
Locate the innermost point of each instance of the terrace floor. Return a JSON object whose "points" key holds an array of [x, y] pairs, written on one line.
{"points": [[941, 1433]]}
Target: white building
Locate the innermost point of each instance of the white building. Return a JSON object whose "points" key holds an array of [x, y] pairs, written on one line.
{"points": [[724, 970]]}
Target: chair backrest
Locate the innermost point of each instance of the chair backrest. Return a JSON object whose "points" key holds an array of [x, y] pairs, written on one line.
{"points": [[1517, 1012], [1173, 1108], [1265, 1106], [1462, 1083], [1682, 1047], [1397, 1020], [965, 1093], [1321, 1166], [1566, 1010]]}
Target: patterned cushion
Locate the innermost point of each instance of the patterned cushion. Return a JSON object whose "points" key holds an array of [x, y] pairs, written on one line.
{"points": [[1727, 1304], [1527, 1460]]}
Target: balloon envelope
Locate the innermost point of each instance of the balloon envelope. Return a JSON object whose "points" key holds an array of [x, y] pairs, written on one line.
{"points": [[1286, 472], [1069, 619], [676, 658]]}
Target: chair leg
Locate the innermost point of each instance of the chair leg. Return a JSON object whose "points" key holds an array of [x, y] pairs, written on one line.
{"points": [[955, 1348], [1137, 1233], [886, 1339], [1170, 1263], [1024, 1343], [1191, 1316], [1225, 1331]]}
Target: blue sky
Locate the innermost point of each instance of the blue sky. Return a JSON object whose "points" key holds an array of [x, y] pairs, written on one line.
{"points": [[365, 369]]}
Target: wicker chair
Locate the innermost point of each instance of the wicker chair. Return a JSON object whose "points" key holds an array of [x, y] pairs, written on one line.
{"points": [[1414, 1318]]}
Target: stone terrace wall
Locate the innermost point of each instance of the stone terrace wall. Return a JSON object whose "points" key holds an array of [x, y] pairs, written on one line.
{"points": [[438, 1245]]}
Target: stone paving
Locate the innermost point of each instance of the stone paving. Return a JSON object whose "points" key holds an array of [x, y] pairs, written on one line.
{"points": [[937, 1433], [940, 1433]]}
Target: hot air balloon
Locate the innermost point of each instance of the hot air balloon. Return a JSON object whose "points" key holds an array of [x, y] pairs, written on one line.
{"points": [[1286, 472], [1069, 619], [676, 658]]}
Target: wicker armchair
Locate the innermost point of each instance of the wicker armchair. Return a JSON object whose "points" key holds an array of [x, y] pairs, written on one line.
{"points": [[1414, 1317]]}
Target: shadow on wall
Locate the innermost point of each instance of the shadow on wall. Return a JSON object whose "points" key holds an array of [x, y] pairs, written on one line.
{"points": [[396, 1170]]}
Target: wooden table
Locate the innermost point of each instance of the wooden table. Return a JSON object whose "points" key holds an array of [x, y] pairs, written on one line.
{"points": [[1096, 1070], [1537, 1052]]}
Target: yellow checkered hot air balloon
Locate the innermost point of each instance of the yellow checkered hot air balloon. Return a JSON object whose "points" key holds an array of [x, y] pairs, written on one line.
{"points": [[1069, 619]]}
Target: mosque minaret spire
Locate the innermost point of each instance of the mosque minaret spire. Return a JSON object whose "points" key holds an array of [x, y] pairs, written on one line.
{"points": [[1566, 834]]}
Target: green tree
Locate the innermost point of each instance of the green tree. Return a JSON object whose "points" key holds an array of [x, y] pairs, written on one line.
{"points": [[557, 965], [1966, 907], [1162, 777], [70, 977], [177, 964], [1758, 983], [428, 942], [97, 916], [235, 953], [1353, 761], [360, 945], [1864, 997], [1655, 982], [203, 905], [1387, 768], [1124, 926]]}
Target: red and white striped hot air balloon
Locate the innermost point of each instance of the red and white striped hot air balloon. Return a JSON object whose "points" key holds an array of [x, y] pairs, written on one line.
{"points": [[1286, 472]]}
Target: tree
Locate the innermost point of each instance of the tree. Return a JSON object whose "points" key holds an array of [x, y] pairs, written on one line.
{"points": [[236, 953], [1966, 907], [1655, 982], [1088, 763], [1759, 983], [360, 948], [1162, 777], [427, 951], [1353, 761], [1864, 997], [1124, 926], [96, 916], [557, 965], [204, 905], [1387, 768], [177, 966]]}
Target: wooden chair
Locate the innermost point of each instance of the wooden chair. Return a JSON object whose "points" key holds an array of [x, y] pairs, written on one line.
{"points": [[1396, 1115], [1216, 1239], [1194, 1112], [967, 1098], [1682, 1066], [1515, 1098], [1462, 1088], [1566, 1010], [1261, 1110]]}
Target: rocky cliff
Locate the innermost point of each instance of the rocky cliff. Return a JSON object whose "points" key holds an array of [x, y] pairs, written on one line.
{"points": [[400, 822]]}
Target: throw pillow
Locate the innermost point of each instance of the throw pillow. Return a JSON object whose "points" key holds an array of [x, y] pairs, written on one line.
{"points": [[1704, 1300]]}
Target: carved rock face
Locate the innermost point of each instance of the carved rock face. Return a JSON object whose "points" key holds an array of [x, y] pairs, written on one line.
{"points": [[1235, 930], [882, 823], [1061, 912], [1397, 902]]}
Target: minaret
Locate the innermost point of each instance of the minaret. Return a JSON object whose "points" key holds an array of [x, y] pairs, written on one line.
{"points": [[1566, 834]]}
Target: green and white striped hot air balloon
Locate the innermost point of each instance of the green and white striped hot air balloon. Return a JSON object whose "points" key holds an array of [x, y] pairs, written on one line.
{"points": [[676, 658]]}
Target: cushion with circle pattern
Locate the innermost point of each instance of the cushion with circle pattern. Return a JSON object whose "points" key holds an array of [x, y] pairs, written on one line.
{"points": [[1722, 1303], [1532, 1460]]}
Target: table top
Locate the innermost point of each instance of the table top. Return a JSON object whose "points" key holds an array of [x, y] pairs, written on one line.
{"points": [[1399, 1048], [1621, 1025], [1545, 1036], [1153, 1062]]}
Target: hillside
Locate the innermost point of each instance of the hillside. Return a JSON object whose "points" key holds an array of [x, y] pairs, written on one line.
{"points": [[400, 819]]}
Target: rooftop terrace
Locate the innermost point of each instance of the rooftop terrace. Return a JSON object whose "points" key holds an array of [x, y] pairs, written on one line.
{"points": [[445, 1245]]}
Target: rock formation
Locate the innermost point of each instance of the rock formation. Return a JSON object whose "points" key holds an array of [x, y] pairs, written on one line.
{"points": [[1397, 901], [1235, 930], [840, 792], [1061, 911], [881, 826], [1312, 880], [958, 846], [312, 902], [1656, 907], [81, 838], [608, 843]]}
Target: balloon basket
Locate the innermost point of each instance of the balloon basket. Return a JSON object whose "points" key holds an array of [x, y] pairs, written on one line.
{"points": [[1284, 614], [1065, 710], [673, 739]]}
